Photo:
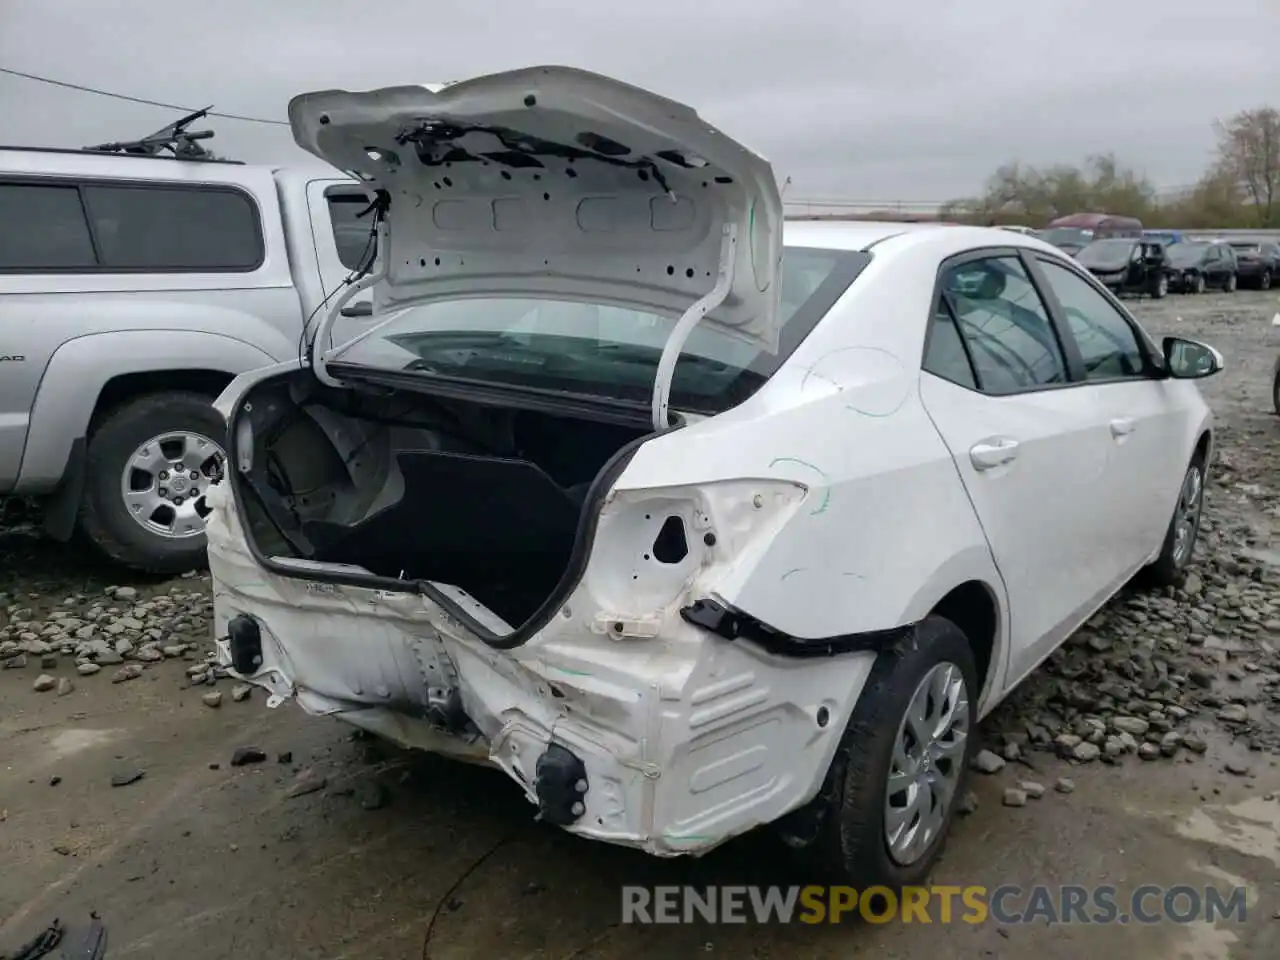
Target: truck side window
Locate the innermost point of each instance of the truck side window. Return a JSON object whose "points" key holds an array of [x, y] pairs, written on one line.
{"points": [[174, 228], [352, 235], [44, 229]]}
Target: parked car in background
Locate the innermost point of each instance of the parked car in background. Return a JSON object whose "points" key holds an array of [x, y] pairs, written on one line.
{"points": [[1126, 265], [1073, 233], [1167, 237], [1194, 267], [1258, 262], [638, 523], [133, 291]]}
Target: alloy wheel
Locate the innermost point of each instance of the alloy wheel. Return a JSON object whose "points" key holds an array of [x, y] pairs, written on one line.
{"points": [[165, 481], [927, 763]]}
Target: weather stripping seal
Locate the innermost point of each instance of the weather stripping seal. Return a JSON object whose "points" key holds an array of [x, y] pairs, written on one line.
{"points": [[724, 621]]}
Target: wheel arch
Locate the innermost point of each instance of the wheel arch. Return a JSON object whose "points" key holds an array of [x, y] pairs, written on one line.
{"points": [[968, 591], [87, 370], [1204, 446], [972, 606]]}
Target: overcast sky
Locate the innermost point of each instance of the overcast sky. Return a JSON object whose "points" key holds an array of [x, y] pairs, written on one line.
{"points": [[865, 100]]}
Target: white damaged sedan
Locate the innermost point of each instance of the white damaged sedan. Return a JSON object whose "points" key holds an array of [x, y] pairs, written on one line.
{"points": [[685, 530]]}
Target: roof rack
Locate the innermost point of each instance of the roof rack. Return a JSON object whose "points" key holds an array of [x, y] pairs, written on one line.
{"points": [[81, 151], [179, 142]]}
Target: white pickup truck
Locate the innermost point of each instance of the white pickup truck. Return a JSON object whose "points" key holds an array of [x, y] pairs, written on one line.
{"points": [[132, 290]]}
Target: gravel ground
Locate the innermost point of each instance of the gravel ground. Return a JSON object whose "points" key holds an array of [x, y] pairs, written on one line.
{"points": [[1144, 751]]}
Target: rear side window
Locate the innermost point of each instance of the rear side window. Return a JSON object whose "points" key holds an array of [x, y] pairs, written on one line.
{"points": [[946, 356], [353, 235], [174, 229], [1005, 325], [109, 227], [43, 227]]}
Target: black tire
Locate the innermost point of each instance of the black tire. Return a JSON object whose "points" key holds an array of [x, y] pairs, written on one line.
{"points": [[104, 521], [842, 830], [1231, 283], [1159, 287], [1199, 286], [1167, 569], [1264, 281], [1275, 391]]}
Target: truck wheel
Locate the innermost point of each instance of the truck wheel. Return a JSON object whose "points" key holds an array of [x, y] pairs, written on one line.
{"points": [[148, 466], [1160, 288], [882, 815]]}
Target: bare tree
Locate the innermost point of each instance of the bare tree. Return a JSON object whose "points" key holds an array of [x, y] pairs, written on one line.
{"points": [[1249, 150]]}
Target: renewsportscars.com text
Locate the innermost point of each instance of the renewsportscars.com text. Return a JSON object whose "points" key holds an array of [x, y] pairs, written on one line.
{"points": [[1006, 905]]}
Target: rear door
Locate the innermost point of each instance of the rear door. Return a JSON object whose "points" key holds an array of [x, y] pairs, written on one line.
{"points": [[1145, 456], [1216, 265], [1031, 448], [343, 243]]}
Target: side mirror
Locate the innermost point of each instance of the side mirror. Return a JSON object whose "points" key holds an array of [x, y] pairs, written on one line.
{"points": [[1190, 359]]}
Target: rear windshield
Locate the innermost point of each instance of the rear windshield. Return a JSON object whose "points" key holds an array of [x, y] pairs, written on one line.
{"points": [[1246, 247], [605, 351], [1107, 252], [1066, 235], [1185, 254]]}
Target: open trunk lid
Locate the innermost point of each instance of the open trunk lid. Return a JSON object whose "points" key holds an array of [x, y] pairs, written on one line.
{"points": [[552, 182]]}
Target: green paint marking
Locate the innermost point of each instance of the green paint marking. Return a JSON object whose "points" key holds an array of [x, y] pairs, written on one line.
{"points": [[572, 673], [826, 491]]}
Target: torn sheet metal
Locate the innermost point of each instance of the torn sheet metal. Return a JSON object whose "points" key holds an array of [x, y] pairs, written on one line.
{"points": [[685, 740]]}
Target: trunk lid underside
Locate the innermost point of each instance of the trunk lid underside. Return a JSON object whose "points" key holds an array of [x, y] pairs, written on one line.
{"points": [[556, 183]]}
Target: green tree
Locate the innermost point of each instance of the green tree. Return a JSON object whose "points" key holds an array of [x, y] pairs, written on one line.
{"points": [[1249, 153]]}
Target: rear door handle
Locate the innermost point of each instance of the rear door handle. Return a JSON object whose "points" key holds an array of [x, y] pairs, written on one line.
{"points": [[1121, 427], [993, 453]]}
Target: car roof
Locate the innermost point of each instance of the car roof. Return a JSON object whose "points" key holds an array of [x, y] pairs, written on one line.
{"points": [[36, 161], [1084, 220], [861, 234]]}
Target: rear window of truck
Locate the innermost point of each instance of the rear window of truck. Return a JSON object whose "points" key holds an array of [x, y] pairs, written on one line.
{"points": [[101, 226]]}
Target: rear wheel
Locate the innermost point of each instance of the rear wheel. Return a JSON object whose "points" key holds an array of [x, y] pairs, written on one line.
{"points": [[1184, 527], [1160, 288], [1199, 284], [149, 465], [886, 805], [1231, 284], [1264, 281]]}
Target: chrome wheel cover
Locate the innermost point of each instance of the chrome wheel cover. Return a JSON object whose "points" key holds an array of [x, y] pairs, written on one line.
{"points": [[927, 763], [1186, 519]]}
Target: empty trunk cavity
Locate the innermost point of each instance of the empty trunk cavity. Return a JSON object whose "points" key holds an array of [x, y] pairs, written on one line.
{"points": [[482, 496]]}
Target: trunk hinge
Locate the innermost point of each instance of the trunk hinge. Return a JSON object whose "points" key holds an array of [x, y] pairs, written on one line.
{"points": [[691, 318], [321, 350]]}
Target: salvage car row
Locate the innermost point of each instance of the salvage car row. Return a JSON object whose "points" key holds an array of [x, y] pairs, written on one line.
{"points": [[1130, 260], [1155, 268]]}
